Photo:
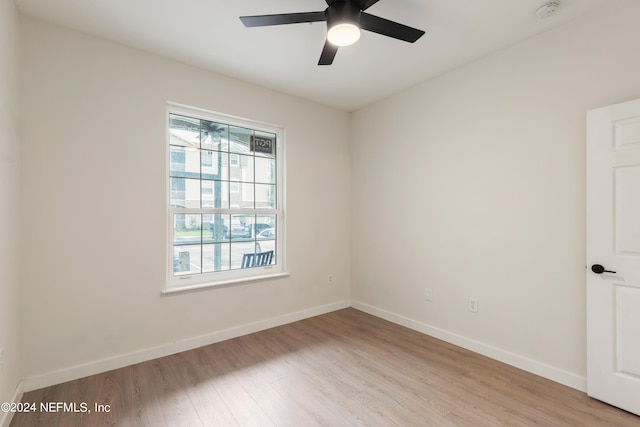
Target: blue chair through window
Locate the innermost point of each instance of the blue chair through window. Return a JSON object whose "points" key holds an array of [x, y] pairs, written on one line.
{"points": [[257, 259]]}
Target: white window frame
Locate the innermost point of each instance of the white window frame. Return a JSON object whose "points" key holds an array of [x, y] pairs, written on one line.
{"points": [[175, 283]]}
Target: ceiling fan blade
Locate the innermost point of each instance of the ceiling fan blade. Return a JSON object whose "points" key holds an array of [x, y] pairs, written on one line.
{"points": [[366, 4], [389, 28], [328, 53], [282, 18]]}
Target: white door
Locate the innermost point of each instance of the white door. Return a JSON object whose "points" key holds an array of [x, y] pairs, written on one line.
{"points": [[613, 244]]}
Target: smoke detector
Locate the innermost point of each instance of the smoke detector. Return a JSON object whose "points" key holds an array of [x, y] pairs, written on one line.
{"points": [[547, 9]]}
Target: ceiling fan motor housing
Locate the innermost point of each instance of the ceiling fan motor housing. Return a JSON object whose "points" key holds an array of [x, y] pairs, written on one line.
{"points": [[343, 12]]}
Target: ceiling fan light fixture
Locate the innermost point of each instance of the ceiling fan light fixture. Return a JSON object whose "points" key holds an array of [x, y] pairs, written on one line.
{"points": [[343, 34]]}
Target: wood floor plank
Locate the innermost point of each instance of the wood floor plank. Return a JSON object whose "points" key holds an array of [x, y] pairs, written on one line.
{"points": [[145, 407], [200, 389], [236, 398], [345, 368]]}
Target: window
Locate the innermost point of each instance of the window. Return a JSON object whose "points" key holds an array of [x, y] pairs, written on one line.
{"points": [[225, 199]]}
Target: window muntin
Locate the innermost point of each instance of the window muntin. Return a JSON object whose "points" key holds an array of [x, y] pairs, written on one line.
{"points": [[224, 191]]}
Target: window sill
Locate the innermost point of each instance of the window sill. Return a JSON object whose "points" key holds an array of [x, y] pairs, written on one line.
{"points": [[201, 286]]}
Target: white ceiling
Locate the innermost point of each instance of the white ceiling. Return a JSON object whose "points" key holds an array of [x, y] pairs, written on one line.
{"points": [[208, 34]]}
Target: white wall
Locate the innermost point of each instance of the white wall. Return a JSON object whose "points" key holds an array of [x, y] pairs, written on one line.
{"points": [[10, 373], [93, 183], [473, 184]]}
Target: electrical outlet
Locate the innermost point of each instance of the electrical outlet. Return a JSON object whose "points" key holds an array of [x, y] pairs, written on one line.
{"points": [[473, 304], [428, 294], [330, 279]]}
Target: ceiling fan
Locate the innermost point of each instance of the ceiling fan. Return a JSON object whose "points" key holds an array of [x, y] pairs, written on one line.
{"points": [[345, 19]]}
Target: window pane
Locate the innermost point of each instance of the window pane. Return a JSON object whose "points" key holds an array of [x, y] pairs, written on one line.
{"points": [[265, 170], [244, 169], [185, 193], [215, 165], [239, 139], [238, 250], [243, 198], [266, 246], [215, 136], [241, 226], [189, 197], [178, 193], [186, 229], [265, 227], [178, 222], [184, 131], [265, 196], [215, 194], [177, 161], [186, 259], [214, 228], [266, 237], [185, 162], [264, 144], [215, 257]]}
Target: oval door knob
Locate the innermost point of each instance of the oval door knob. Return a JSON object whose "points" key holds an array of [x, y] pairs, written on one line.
{"points": [[598, 269]]}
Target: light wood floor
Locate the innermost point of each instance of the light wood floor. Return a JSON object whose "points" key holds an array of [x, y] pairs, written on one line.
{"points": [[345, 368]]}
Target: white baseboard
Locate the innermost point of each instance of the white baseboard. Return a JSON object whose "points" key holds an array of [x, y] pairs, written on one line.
{"points": [[5, 417], [104, 365], [526, 364]]}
